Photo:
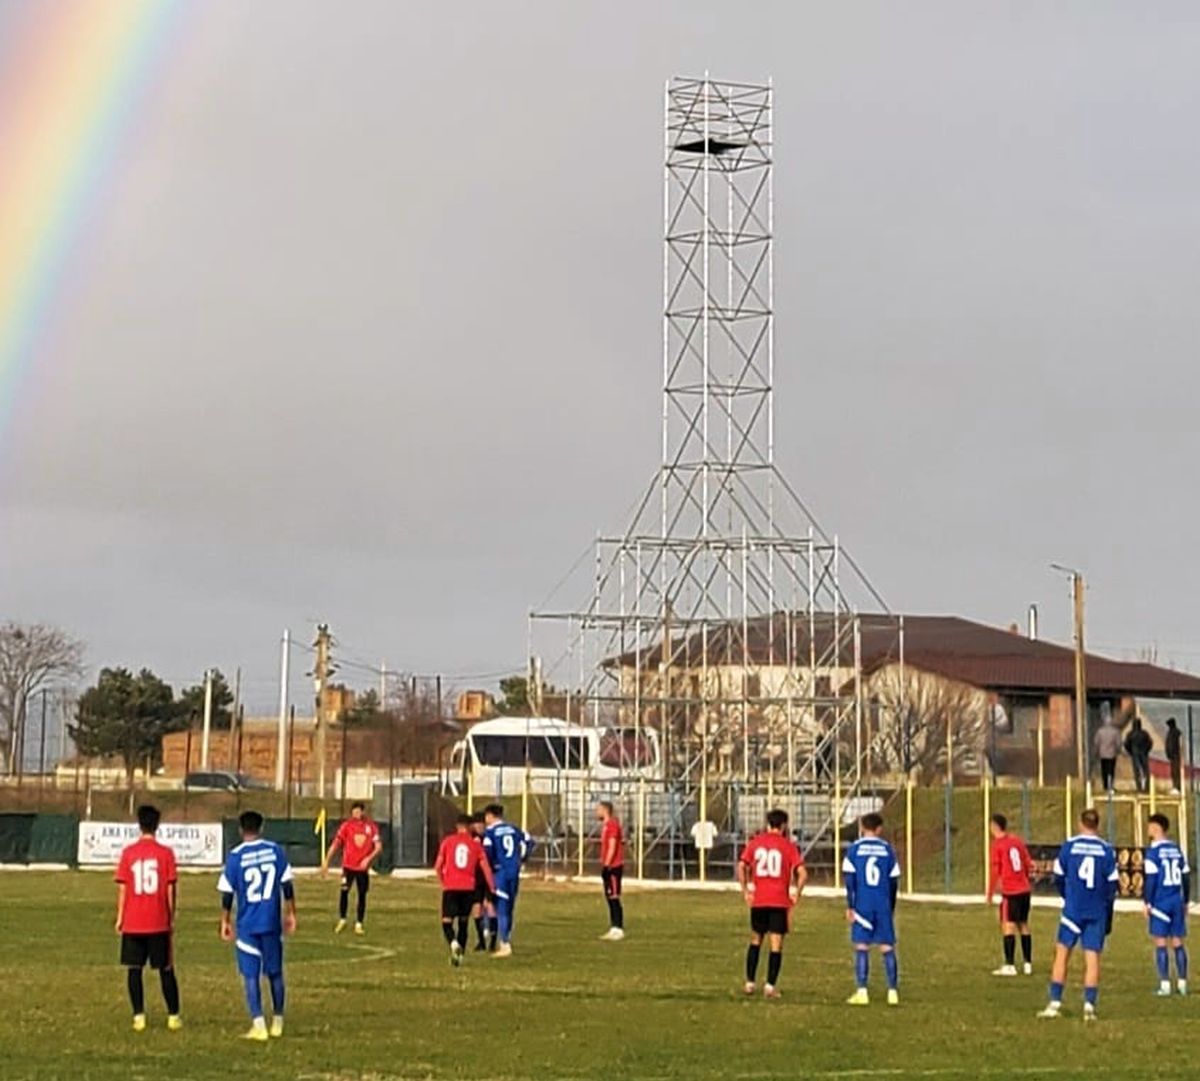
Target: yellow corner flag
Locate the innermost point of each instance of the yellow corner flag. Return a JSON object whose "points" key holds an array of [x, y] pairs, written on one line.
{"points": [[319, 829]]}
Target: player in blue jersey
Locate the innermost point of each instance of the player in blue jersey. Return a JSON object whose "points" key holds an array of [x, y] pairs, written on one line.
{"points": [[507, 847], [872, 876], [258, 877], [1167, 882], [1085, 873]]}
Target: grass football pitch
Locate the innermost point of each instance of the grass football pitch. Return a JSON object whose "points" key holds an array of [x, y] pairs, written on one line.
{"points": [[665, 1003]]}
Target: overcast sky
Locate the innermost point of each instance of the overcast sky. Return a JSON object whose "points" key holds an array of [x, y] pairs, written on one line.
{"points": [[367, 325]]}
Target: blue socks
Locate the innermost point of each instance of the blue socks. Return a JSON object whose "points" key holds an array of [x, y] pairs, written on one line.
{"points": [[253, 996], [1090, 995], [862, 966], [1181, 962], [1056, 992], [891, 966], [1160, 959], [254, 1002], [277, 994], [504, 919]]}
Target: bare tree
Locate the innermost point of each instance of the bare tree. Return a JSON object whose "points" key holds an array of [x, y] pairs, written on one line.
{"points": [[911, 717], [32, 657]]}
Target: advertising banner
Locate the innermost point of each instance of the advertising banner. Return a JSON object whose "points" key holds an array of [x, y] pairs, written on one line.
{"points": [[1129, 866], [196, 844]]}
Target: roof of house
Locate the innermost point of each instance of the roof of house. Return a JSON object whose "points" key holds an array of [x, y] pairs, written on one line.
{"points": [[961, 649]]}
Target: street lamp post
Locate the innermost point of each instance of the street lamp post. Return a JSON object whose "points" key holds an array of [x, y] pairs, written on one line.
{"points": [[1078, 587]]}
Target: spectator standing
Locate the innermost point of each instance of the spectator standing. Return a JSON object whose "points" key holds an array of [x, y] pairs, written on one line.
{"points": [[1174, 748], [1137, 746], [1107, 745]]}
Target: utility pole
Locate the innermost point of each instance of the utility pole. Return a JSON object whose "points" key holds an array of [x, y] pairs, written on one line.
{"points": [[281, 742], [235, 722], [321, 673], [207, 729], [42, 745], [1078, 588], [383, 685]]}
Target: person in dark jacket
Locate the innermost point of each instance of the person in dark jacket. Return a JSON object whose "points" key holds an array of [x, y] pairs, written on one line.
{"points": [[1137, 745], [1174, 749]]}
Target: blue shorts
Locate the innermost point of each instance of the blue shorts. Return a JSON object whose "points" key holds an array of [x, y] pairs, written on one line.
{"points": [[259, 955], [873, 929], [1169, 920], [1085, 930]]}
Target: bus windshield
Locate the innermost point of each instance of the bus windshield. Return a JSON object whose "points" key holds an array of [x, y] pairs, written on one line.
{"points": [[626, 748]]}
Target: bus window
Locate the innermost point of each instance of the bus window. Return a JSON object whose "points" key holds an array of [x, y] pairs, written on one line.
{"points": [[500, 750], [544, 752]]}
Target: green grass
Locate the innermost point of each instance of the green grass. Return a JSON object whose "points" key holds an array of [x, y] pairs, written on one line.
{"points": [[666, 1003]]}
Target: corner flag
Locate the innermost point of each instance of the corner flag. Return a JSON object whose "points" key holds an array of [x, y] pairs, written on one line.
{"points": [[319, 830]]}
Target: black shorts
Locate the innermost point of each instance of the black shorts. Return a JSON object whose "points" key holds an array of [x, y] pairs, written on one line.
{"points": [[769, 921], [136, 950], [482, 893], [361, 879], [1014, 908], [611, 877], [457, 904]]}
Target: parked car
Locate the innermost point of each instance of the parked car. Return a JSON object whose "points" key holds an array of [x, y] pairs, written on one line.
{"points": [[223, 781]]}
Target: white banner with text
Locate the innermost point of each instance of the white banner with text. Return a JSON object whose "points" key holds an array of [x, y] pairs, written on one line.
{"points": [[196, 844]]}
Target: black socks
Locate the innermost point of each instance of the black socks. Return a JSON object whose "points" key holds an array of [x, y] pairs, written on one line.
{"points": [[137, 994]]}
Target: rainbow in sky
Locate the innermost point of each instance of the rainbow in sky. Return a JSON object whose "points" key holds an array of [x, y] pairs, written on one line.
{"points": [[71, 74]]}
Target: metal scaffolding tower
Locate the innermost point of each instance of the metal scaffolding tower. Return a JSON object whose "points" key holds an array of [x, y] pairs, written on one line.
{"points": [[723, 618]]}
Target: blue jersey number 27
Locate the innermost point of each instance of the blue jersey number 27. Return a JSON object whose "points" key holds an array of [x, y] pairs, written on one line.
{"points": [[260, 883]]}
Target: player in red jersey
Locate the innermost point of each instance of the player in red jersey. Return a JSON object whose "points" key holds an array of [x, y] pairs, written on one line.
{"points": [[146, 879], [772, 875], [612, 869], [459, 858], [358, 838], [483, 912], [1011, 866]]}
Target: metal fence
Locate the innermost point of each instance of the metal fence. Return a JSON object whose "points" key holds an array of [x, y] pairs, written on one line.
{"points": [[941, 832]]}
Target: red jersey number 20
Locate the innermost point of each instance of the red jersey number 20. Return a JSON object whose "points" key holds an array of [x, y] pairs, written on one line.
{"points": [[768, 863]]}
